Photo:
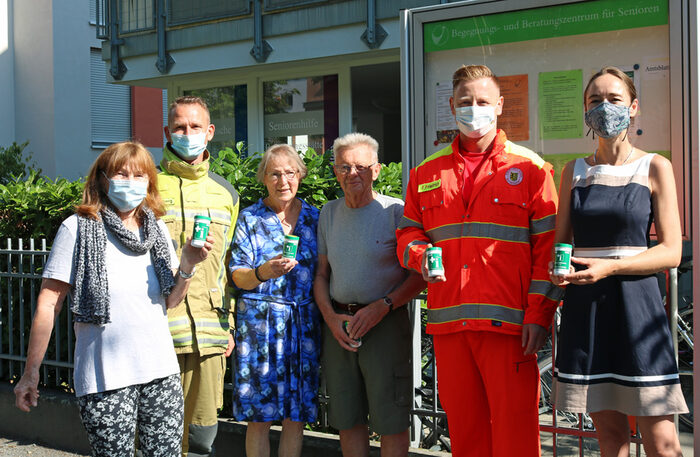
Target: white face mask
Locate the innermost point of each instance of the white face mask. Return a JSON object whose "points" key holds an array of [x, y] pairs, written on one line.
{"points": [[476, 121]]}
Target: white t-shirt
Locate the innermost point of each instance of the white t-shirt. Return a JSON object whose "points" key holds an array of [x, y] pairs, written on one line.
{"points": [[136, 346]]}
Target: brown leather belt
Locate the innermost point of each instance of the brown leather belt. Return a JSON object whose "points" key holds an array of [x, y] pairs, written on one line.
{"points": [[350, 308]]}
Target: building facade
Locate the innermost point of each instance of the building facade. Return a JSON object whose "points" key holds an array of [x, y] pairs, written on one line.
{"points": [[54, 91], [296, 71]]}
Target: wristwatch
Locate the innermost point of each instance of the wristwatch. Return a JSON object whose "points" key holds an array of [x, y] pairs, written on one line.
{"points": [[388, 302], [184, 275]]}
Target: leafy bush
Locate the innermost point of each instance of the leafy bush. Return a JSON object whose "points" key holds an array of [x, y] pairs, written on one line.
{"points": [[317, 188], [389, 180], [239, 170], [13, 164], [35, 207]]}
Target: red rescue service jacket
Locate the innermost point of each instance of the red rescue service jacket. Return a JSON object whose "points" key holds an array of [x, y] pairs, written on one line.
{"points": [[495, 250]]}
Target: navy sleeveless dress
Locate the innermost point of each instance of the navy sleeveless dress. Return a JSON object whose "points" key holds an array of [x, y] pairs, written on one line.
{"points": [[615, 350]]}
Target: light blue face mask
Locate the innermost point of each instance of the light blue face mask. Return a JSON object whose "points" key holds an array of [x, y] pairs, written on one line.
{"points": [[127, 194], [189, 146]]}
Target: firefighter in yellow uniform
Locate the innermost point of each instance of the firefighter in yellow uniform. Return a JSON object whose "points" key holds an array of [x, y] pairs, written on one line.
{"points": [[200, 325]]}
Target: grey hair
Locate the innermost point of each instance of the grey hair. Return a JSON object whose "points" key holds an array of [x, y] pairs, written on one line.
{"points": [[355, 139], [281, 150]]}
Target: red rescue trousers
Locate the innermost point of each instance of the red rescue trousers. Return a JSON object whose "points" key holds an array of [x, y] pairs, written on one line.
{"points": [[490, 392]]}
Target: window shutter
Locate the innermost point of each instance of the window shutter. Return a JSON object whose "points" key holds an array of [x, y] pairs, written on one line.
{"points": [[110, 106]]}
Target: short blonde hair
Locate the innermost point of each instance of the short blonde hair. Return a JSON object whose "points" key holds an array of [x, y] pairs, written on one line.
{"points": [[281, 150], [467, 73], [188, 100], [355, 139]]}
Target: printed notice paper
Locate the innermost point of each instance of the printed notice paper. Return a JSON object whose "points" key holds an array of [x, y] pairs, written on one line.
{"points": [[445, 118], [560, 102], [515, 118]]}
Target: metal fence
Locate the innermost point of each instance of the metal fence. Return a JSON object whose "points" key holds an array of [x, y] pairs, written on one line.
{"points": [[21, 265], [136, 15], [20, 279], [181, 12], [139, 15]]}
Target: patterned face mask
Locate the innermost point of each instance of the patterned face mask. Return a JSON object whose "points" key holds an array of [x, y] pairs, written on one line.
{"points": [[607, 119]]}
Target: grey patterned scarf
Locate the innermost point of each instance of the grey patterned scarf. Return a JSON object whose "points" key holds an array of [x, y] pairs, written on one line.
{"points": [[91, 291]]}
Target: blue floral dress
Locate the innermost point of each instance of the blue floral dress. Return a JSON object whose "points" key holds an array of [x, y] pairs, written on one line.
{"points": [[278, 336]]}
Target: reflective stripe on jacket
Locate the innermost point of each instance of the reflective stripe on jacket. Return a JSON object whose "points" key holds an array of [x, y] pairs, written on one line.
{"points": [[201, 322], [495, 250]]}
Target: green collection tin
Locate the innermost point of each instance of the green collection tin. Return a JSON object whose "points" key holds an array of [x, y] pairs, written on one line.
{"points": [[358, 342], [201, 230], [289, 248], [435, 267], [562, 258]]}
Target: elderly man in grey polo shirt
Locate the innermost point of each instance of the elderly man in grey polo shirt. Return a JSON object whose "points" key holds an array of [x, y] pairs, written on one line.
{"points": [[359, 281]]}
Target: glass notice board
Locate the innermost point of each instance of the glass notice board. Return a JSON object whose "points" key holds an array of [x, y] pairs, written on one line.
{"points": [[543, 55]]}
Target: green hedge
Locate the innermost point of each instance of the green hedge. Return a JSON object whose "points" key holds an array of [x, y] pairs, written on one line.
{"points": [[317, 188], [33, 206]]}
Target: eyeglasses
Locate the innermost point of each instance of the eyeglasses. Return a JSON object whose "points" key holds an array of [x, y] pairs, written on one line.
{"points": [[360, 169], [276, 176]]}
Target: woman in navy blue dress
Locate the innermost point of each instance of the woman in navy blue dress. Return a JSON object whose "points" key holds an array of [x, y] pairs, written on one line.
{"points": [[277, 322], [615, 356]]}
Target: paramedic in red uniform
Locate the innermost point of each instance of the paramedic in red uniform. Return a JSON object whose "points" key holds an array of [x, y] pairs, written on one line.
{"points": [[490, 205]]}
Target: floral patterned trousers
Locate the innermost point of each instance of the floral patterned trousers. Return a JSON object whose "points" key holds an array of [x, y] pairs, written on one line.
{"points": [[156, 408]]}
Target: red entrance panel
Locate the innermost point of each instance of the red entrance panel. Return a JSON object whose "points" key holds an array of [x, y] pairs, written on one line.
{"points": [[147, 116]]}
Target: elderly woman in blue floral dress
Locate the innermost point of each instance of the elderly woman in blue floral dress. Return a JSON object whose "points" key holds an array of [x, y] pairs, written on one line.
{"points": [[277, 321]]}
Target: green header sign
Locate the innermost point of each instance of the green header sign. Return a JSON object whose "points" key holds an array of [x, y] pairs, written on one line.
{"points": [[547, 22]]}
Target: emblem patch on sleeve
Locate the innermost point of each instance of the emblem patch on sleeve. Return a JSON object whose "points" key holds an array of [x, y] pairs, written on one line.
{"points": [[514, 176]]}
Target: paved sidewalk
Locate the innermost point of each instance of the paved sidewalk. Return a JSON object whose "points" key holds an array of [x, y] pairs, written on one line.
{"points": [[14, 448], [567, 447]]}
